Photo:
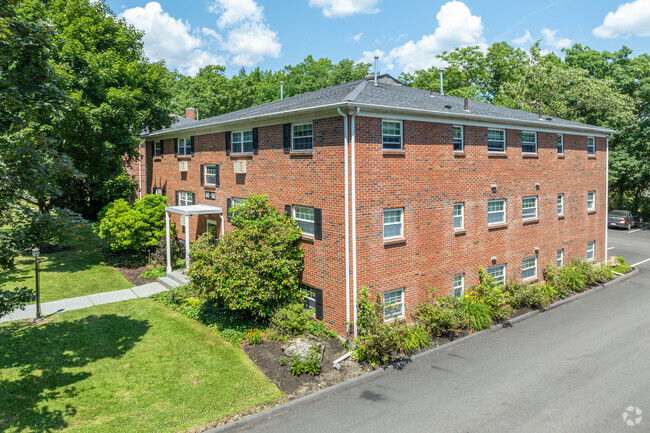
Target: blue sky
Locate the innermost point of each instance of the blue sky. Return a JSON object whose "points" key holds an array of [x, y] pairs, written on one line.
{"points": [[407, 34]]}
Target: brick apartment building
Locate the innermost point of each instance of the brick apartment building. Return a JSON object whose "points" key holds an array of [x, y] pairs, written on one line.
{"points": [[435, 187]]}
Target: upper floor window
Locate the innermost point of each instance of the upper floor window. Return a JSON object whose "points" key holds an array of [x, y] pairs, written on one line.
{"points": [[394, 304], [591, 146], [236, 201], [496, 211], [459, 215], [210, 174], [185, 198], [591, 200], [560, 144], [393, 223], [305, 218], [184, 146], [560, 204], [529, 268], [496, 140], [457, 137], [391, 134], [242, 142], [157, 148], [591, 247], [529, 208], [498, 272], [459, 285], [158, 191], [302, 137], [528, 142]]}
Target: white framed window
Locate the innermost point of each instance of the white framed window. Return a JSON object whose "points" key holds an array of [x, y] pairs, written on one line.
{"points": [[236, 201], [496, 212], [498, 272], [242, 142], [394, 304], [391, 134], [185, 198], [560, 204], [459, 216], [496, 140], [184, 146], [457, 137], [591, 146], [157, 148], [591, 200], [528, 142], [559, 260], [310, 296], [304, 216], [560, 144], [210, 174], [158, 191], [211, 228], [529, 208], [459, 285], [529, 268], [302, 137], [393, 223], [591, 248]]}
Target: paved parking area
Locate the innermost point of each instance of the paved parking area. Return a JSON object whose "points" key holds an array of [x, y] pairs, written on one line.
{"points": [[633, 244]]}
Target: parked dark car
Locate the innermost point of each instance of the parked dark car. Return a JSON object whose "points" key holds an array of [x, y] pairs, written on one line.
{"points": [[624, 219]]}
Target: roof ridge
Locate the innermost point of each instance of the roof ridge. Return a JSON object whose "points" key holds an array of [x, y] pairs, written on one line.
{"points": [[354, 93]]}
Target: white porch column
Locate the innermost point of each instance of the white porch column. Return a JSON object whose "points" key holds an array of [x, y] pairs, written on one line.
{"points": [[169, 258], [187, 242], [223, 225]]}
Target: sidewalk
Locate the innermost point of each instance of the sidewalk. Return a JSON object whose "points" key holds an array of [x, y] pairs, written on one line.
{"points": [[48, 308]]}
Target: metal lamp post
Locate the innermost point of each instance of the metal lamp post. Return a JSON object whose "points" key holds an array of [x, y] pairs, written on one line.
{"points": [[35, 253]]}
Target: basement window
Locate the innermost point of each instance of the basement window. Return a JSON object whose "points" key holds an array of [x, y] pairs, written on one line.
{"points": [[394, 304], [591, 247]]}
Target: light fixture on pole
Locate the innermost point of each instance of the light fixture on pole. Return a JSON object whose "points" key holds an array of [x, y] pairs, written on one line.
{"points": [[36, 252]]}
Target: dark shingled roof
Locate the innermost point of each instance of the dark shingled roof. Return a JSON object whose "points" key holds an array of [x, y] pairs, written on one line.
{"points": [[388, 93]]}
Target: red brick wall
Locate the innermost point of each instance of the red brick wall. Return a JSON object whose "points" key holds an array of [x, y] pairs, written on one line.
{"points": [[137, 172], [426, 179]]}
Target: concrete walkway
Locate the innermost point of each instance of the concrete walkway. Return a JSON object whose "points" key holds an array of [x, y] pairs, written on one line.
{"points": [[48, 308]]}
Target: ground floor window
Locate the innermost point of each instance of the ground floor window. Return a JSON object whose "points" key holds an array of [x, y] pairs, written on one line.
{"points": [[158, 191], [185, 198], [394, 304], [310, 297], [305, 218], [560, 258], [498, 272], [459, 285], [529, 268], [591, 247]]}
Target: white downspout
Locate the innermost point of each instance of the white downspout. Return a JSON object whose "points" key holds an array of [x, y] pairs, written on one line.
{"points": [[187, 242], [223, 225], [354, 221], [167, 247], [140, 165], [347, 220], [607, 199]]}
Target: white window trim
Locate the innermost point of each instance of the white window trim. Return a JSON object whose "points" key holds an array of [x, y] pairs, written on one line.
{"points": [[505, 275], [522, 209], [504, 212], [462, 216], [305, 288], [525, 269], [462, 137], [593, 207], [241, 143], [397, 316], [401, 223], [187, 149], [593, 140], [591, 244], [505, 146], [559, 258], [401, 133], [561, 136], [180, 199], [560, 203], [522, 141], [293, 149], [304, 220], [461, 286], [158, 191], [157, 149], [205, 174], [208, 223]]}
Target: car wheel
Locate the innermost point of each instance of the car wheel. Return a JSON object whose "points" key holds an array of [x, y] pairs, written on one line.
{"points": [[629, 226]]}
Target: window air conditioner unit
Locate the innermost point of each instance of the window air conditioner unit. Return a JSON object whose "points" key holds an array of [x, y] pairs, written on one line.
{"points": [[182, 166], [240, 167]]}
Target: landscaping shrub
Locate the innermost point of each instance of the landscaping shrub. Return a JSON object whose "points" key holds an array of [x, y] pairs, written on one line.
{"points": [[254, 337], [439, 318], [282, 361], [533, 295], [586, 269], [407, 338], [488, 293], [15, 299], [153, 273], [269, 260], [476, 315], [602, 273], [571, 279], [293, 319], [622, 267], [177, 251], [311, 365]]}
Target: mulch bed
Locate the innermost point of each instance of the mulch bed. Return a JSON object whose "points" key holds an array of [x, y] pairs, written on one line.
{"points": [[133, 275]]}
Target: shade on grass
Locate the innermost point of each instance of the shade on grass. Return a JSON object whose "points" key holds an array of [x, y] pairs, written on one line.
{"points": [[67, 274], [132, 366]]}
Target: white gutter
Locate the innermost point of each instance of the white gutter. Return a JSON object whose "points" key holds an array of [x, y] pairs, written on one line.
{"points": [[354, 222], [347, 222], [606, 198]]}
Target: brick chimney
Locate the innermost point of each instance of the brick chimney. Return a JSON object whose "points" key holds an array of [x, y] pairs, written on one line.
{"points": [[190, 113]]}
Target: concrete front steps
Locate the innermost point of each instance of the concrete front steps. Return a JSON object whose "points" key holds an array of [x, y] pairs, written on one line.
{"points": [[173, 279]]}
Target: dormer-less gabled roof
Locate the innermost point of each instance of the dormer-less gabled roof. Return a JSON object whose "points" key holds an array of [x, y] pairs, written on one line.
{"points": [[389, 95]]}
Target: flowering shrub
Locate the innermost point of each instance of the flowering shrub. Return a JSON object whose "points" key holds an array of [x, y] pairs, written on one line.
{"points": [[254, 337], [490, 294]]}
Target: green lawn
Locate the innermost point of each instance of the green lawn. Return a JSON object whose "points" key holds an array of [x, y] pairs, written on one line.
{"points": [[132, 366], [67, 274]]}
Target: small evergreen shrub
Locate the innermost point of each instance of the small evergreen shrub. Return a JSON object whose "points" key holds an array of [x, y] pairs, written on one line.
{"points": [[439, 318], [293, 319]]}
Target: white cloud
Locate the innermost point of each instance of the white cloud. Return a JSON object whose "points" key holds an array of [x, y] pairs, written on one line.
{"points": [[344, 8], [554, 41], [236, 11], [357, 37], [524, 39], [457, 27], [251, 42], [170, 39], [629, 19], [369, 56]]}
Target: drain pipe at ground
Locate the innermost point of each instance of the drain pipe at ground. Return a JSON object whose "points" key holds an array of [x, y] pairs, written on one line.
{"points": [[347, 223], [337, 363]]}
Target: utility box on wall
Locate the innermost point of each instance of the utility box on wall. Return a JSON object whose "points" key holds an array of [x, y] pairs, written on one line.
{"points": [[182, 166], [240, 167]]}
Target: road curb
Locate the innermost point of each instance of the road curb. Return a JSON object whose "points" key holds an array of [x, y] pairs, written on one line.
{"points": [[324, 393]]}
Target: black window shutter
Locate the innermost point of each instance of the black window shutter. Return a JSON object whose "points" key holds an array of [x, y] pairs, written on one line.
{"points": [[162, 147], [192, 145], [287, 137], [319, 303], [255, 141], [176, 198], [175, 146], [202, 178], [318, 224], [153, 148], [403, 135], [193, 198], [228, 205], [216, 166], [227, 142], [287, 209]]}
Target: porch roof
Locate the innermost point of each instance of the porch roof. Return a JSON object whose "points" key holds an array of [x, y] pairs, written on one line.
{"points": [[194, 209]]}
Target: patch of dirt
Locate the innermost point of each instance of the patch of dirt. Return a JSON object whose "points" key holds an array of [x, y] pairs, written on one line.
{"points": [[268, 354], [133, 275]]}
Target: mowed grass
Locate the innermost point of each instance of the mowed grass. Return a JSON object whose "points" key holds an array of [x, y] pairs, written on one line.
{"points": [[132, 366], [67, 274]]}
